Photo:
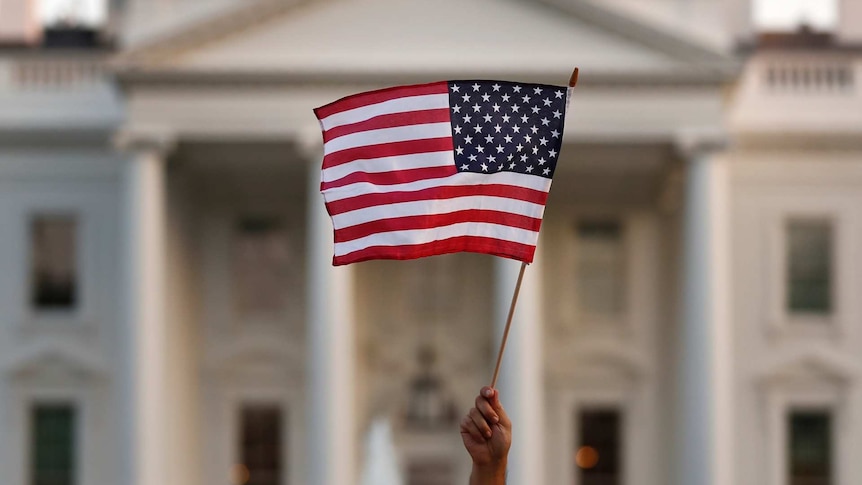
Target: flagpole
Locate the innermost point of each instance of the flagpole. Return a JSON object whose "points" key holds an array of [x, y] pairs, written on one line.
{"points": [[573, 81]]}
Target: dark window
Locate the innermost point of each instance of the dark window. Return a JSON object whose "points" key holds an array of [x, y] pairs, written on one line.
{"points": [[53, 262], [261, 266], [809, 266], [598, 457], [810, 448], [53, 445], [261, 444], [600, 267], [430, 472]]}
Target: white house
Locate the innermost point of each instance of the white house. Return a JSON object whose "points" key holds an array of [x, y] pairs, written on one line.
{"points": [[172, 316]]}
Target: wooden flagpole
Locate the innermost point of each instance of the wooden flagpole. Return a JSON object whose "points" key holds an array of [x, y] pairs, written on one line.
{"points": [[573, 81]]}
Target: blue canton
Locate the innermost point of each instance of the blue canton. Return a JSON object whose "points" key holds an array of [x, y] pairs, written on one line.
{"points": [[503, 126]]}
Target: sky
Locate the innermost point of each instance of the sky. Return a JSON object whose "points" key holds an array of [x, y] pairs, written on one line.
{"points": [[771, 14]]}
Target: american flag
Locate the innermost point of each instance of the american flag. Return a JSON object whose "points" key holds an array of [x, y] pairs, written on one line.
{"points": [[415, 171]]}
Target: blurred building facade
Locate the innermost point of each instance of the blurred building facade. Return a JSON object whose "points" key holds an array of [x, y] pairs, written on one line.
{"points": [[172, 316]]}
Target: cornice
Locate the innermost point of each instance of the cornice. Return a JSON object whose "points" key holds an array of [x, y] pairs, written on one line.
{"points": [[716, 76]]}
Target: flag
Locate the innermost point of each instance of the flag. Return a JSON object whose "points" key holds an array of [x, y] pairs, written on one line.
{"points": [[421, 170]]}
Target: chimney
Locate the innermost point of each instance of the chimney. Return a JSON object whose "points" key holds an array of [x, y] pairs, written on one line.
{"points": [[18, 22]]}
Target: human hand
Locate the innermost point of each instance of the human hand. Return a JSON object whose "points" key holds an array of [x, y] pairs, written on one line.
{"points": [[487, 434]]}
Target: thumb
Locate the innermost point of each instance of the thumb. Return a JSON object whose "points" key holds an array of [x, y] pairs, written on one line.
{"points": [[493, 397]]}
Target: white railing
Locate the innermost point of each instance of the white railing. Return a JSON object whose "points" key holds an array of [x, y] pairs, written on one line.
{"points": [[36, 72], [810, 74]]}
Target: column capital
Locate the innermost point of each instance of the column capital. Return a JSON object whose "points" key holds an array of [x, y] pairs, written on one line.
{"points": [[694, 142], [146, 139]]}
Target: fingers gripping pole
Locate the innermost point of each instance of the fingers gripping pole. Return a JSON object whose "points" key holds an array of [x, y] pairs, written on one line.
{"points": [[508, 325]]}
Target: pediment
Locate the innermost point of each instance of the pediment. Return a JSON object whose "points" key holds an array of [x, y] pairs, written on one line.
{"points": [[254, 354], [600, 359], [54, 360], [810, 364], [345, 37]]}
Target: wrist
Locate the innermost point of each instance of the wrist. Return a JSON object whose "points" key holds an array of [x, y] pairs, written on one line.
{"points": [[491, 473]]}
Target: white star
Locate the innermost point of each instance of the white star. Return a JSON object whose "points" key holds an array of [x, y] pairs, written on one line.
{"points": [[484, 167], [546, 171], [500, 149], [526, 98], [476, 108], [512, 166], [498, 128], [496, 107], [535, 109], [487, 118], [517, 89], [476, 87], [486, 97], [465, 167], [528, 138], [523, 158], [459, 151], [480, 149], [510, 157], [466, 98], [555, 134], [468, 139], [515, 108], [545, 121], [500, 167], [516, 129], [456, 109], [496, 87], [505, 98], [534, 129], [505, 118], [472, 158], [530, 168], [535, 150], [547, 101], [552, 153], [537, 90], [542, 161], [477, 129], [492, 158], [557, 114], [508, 139], [524, 118], [467, 118], [455, 88], [543, 141], [489, 139], [457, 130], [558, 94], [519, 147]]}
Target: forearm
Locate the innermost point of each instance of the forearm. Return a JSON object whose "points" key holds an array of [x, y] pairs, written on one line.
{"points": [[489, 475]]}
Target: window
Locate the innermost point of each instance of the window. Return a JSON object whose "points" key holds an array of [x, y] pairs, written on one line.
{"points": [[53, 262], [809, 253], [261, 266], [810, 448], [598, 457], [53, 445], [261, 447], [600, 267]]}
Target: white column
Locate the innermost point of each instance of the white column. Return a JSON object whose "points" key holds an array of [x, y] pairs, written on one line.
{"points": [[331, 426], [704, 411], [145, 327], [521, 381]]}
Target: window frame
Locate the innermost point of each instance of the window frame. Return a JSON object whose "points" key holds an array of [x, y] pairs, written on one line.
{"points": [[54, 313], [809, 316], [75, 440]]}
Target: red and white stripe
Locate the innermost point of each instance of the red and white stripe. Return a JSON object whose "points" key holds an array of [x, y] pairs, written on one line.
{"points": [[390, 183]]}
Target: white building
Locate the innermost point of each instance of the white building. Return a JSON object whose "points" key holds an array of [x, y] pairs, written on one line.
{"points": [[172, 317]]}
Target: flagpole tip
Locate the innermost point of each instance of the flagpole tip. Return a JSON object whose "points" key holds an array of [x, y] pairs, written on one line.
{"points": [[573, 81]]}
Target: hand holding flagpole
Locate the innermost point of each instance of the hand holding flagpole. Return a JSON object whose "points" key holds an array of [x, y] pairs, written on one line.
{"points": [[573, 81]]}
